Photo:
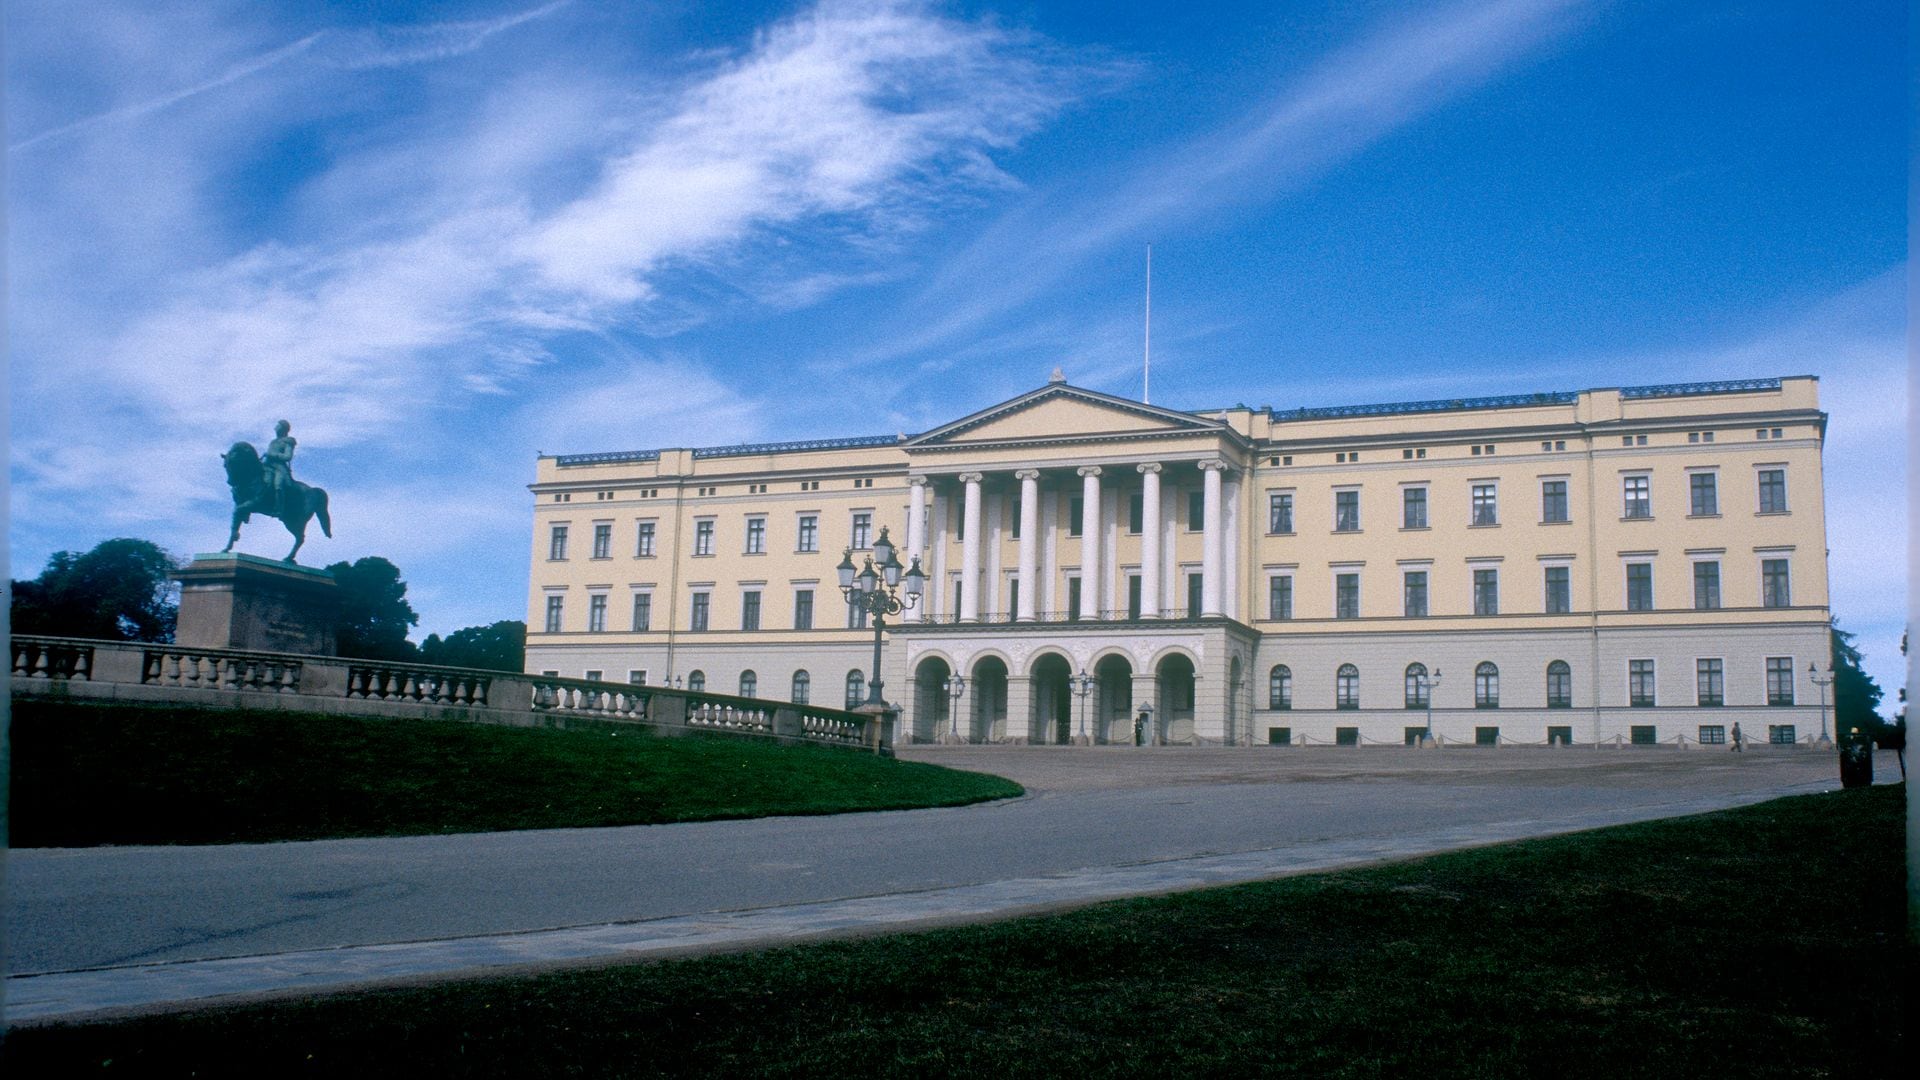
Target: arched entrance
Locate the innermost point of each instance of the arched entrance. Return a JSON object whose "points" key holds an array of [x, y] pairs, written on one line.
{"points": [[1053, 720], [1113, 700], [1173, 712], [930, 701], [988, 689]]}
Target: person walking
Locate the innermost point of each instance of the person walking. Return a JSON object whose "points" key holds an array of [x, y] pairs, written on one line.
{"points": [[1739, 740]]}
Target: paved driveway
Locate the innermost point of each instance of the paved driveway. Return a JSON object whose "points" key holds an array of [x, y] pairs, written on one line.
{"points": [[1094, 823]]}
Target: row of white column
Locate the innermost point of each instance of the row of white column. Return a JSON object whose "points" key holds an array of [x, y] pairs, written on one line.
{"points": [[1212, 539]]}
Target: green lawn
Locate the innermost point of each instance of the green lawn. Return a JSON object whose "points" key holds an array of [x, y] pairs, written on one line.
{"points": [[1760, 942], [90, 774]]}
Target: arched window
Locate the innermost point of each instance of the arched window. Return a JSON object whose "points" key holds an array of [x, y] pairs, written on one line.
{"points": [[749, 684], [856, 688], [696, 680], [802, 683], [1417, 686], [1486, 686], [1346, 687], [1280, 687], [1559, 685]]}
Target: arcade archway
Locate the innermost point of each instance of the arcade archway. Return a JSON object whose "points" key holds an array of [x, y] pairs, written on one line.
{"points": [[988, 689], [930, 701], [1053, 720], [1173, 713], [1113, 700]]}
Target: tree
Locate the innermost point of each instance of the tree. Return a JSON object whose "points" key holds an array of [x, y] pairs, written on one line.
{"points": [[374, 613], [122, 590], [499, 647], [1856, 697]]}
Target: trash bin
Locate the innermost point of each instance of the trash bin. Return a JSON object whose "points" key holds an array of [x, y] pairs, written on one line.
{"points": [[1856, 760]]}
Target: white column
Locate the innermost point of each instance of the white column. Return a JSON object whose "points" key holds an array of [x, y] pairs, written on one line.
{"points": [[917, 541], [970, 550], [1090, 541], [1029, 541], [1149, 540], [1211, 537]]}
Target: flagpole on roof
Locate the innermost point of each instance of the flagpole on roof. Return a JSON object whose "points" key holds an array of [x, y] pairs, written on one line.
{"points": [[1146, 375]]}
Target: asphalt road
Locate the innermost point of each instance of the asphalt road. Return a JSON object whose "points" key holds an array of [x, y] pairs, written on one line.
{"points": [[106, 907]]}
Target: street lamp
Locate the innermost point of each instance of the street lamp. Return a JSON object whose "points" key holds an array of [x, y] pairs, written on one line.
{"points": [[956, 688], [1083, 685], [1431, 681], [874, 589], [1822, 681]]}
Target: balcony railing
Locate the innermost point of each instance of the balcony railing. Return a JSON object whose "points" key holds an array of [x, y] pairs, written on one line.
{"points": [[1056, 618]]}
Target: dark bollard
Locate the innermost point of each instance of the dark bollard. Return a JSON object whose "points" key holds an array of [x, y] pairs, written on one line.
{"points": [[1856, 760]]}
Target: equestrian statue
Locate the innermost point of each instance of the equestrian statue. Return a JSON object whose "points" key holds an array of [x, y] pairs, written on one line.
{"points": [[264, 484]]}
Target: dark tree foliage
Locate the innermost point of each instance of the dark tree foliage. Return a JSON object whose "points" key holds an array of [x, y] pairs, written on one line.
{"points": [[499, 647], [374, 613], [119, 591], [1856, 697]]}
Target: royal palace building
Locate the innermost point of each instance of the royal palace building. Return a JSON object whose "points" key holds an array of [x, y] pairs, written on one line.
{"points": [[1645, 564]]}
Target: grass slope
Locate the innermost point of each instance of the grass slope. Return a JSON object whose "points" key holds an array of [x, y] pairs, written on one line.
{"points": [[89, 774], [1765, 941]]}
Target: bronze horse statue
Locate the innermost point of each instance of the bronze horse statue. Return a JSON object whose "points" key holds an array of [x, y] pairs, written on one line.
{"points": [[251, 495]]}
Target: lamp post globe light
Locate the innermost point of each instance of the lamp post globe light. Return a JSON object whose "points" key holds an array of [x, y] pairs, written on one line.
{"points": [[1082, 685], [1822, 681], [1432, 681], [956, 689], [875, 590]]}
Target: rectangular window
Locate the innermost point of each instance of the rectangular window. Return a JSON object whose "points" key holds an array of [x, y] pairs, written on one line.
{"points": [[1413, 508], [1706, 585], [1780, 734], [1639, 586], [809, 533], [642, 611], [1076, 508], [1280, 512], [1346, 511], [1775, 589], [1415, 590], [1133, 595], [1553, 502], [1346, 736], [556, 607], [1280, 597], [1713, 734], [1640, 683], [862, 531], [637, 676], [702, 609], [857, 615], [1559, 735], [1710, 683], [1704, 494], [1486, 592], [1642, 734], [1073, 598], [1346, 596], [557, 544], [803, 609], [1773, 491], [1013, 597], [597, 613], [1136, 514], [750, 610], [1636, 493], [1196, 510], [756, 536], [595, 674], [1779, 680], [1560, 689], [643, 547], [1559, 590], [1193, 596], [1013, 522], [703, 537], [1486, 506], [603, 541]]}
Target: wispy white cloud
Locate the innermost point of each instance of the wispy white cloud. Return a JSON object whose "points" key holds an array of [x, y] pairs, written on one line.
{"points": [[1401, 71], [368, 47]]}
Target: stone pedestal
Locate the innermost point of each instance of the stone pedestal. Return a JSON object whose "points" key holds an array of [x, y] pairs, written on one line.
{"points": [[234, 601]]}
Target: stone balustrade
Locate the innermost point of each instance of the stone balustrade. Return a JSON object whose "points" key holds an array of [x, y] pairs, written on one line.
{"points": [[135, 672]]}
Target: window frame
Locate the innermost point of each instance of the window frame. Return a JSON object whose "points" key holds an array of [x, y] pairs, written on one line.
{"points": [[1636, 496], [1346, 688], [1414, 497], [1483, 503], [1551, 500]]}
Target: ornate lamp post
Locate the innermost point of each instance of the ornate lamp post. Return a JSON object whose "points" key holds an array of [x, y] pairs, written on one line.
{"points": [[875, 589], [1430, 681], [956, 689], [1822, 681], [1082, 685]]}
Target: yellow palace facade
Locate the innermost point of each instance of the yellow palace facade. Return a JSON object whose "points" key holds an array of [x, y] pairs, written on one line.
{"points": [[1640, 564]]}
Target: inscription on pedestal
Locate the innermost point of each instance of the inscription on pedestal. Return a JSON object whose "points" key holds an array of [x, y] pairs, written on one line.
{"points": [[234, 601]]}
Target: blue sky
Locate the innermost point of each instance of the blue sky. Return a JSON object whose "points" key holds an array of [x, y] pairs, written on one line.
{"points": [[441, 238]]}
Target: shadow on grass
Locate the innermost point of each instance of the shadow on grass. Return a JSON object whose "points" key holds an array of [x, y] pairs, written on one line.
{"points": [[1765, 941]]}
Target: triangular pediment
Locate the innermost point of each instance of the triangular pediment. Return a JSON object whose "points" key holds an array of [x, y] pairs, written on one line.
{"points": [[1058, 411]]}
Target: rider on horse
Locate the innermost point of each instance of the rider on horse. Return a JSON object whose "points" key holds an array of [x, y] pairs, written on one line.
{"points": [[277, 466]]}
